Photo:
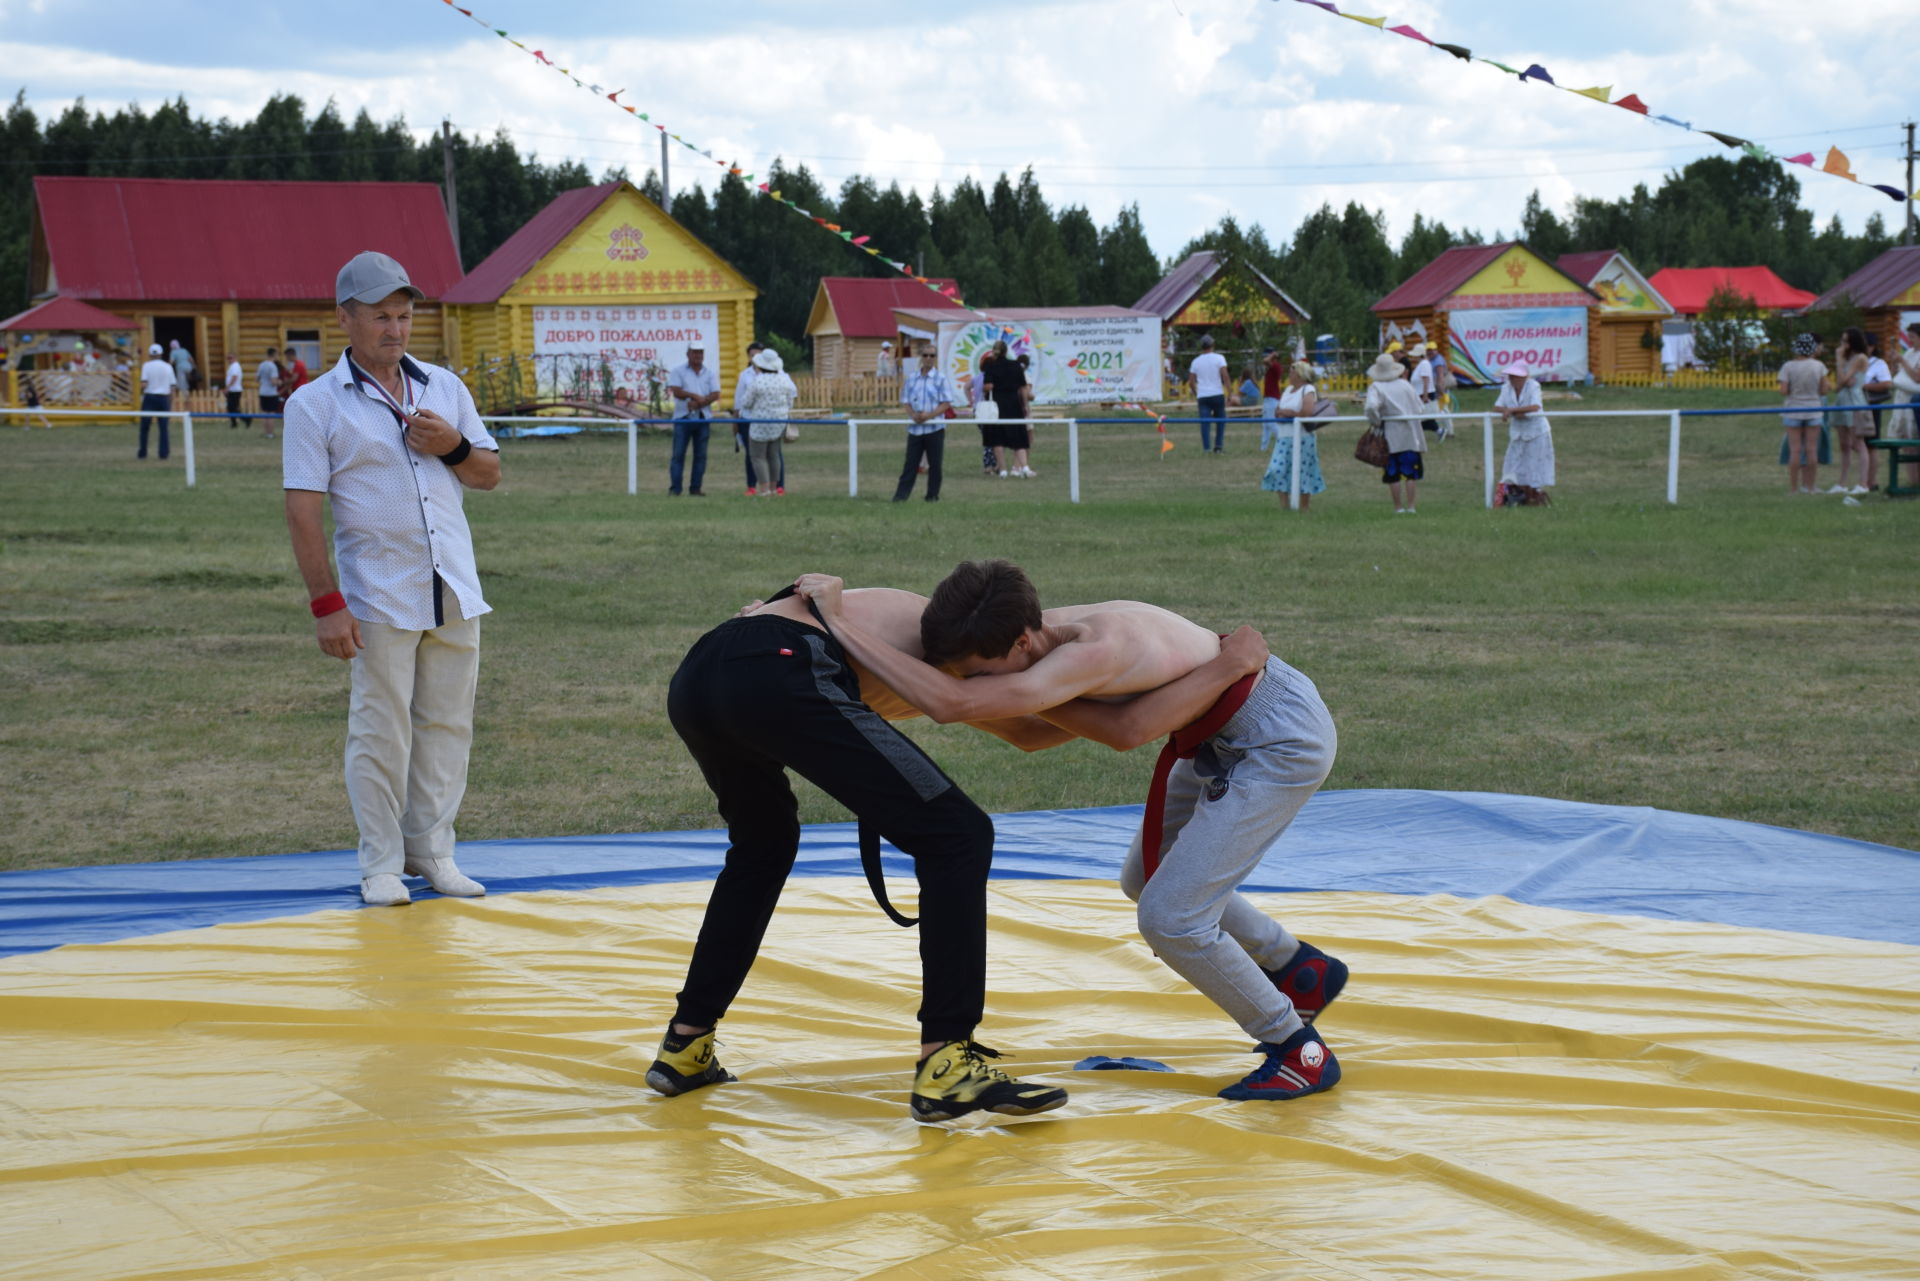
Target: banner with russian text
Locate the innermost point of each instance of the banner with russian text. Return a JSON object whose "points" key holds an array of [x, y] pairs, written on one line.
{"points": [[1552, 340], [1072, 360], [589, 352]]}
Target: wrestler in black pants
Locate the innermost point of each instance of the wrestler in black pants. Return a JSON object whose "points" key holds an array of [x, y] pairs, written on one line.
{"points": [[760, 695]]}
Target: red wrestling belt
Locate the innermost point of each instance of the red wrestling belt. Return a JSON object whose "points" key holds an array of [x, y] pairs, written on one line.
{"points": [[1181, 745]]}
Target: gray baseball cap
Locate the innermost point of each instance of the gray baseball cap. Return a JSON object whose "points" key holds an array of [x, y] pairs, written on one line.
{"points": [[369, 277]]}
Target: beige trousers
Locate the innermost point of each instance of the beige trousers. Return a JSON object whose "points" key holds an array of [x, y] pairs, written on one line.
{"points": [[409, 727]]}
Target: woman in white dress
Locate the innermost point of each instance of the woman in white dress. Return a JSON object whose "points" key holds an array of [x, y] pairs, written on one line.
{"points": [[1297, 401], [1528, 466]]}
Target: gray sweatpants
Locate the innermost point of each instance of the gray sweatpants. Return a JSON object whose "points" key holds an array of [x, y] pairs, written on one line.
{"points": [[1225, 807]]}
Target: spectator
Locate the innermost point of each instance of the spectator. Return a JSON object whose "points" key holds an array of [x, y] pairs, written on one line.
{"points": [[885, 366], [1878, 389], [1208, 374], [30, 397], [1394, 407], [1249, 391], [1527, 470], [694, 388], [740, 385], [987, 415], [236, 382], [293, 372], [1904, 424], [1025, 362], [1297, 401], [183, 369], [770, 398], [1420, 374], [1803, 382], [1272, 380], [1852, 421], [1443, 384], [928, 397], [267, 378], [157, 383], [1007, 385]]}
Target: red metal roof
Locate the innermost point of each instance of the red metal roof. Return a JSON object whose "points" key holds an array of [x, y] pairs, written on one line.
{"points": [[864, 305], [66, 315], [1879, 282], [1439, 278], [503, 268], [1582, 268], [1687, 289], [173, 240]]}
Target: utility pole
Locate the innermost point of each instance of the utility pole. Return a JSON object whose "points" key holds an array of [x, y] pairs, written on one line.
{"points": [[449, 192], [666, 192], [1909, 237]]}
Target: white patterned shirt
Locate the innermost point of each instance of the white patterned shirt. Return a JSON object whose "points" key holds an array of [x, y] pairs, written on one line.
{"points": [[923, 394], [397, 513]]}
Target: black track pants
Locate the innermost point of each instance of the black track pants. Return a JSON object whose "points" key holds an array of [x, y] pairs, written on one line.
{"points": [[758, 696]]}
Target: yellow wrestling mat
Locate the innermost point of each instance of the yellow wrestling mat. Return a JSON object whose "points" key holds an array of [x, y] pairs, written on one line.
{"points": [[455, 1090]]}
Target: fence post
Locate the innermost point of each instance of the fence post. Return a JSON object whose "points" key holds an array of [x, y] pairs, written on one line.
{"points": [[1293, 481], [1073, 460], [853, 458], [633, 457], [186, 421], [1486, 423], [1673, 458]]}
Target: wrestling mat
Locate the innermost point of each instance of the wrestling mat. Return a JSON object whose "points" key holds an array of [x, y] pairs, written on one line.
{"points": [[1579, 1042]]}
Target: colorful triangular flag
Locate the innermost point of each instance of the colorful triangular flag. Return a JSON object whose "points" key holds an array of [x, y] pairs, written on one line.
{"points": [[1537, 72], [1599, 93], [1837, 163], [1632, 103]]}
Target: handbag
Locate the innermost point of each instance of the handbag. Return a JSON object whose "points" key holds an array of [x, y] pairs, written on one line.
{"points": [[1371, 448], [791, 434], [1323, 409]]}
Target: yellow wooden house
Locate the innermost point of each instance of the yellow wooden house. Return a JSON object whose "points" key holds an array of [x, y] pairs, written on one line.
{"points": [[1492, 305], [592, 304]]}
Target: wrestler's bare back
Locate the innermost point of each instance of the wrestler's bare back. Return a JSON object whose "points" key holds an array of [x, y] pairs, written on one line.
{"points": [[1147, 646]]}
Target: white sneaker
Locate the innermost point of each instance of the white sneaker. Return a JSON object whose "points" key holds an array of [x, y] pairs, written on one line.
{"points": [[1850, 501], [446, 878], [1838, 489], [1002, 475], [384, 890], [1859, 489]]}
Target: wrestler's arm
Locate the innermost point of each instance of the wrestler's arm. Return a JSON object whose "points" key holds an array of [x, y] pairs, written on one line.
{"points": [[1064, 674], [1159, 712]]}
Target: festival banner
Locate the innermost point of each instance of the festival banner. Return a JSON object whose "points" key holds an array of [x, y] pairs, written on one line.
{"points": [[1072, 360], [1552, 340], [588, 346]]}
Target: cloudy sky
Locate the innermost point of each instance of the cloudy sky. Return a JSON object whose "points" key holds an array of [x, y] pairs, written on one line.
{"points": [[1263, 109]]}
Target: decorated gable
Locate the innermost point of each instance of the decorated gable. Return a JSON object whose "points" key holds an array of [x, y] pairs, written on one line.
{"points": [[1518, 278], [1624, 291], [628, 248]]}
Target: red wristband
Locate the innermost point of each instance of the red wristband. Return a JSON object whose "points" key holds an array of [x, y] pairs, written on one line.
{"points": [[331, 603]]}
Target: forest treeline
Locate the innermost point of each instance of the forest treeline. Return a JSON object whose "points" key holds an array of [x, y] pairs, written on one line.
{"points": [[1004, 243]]}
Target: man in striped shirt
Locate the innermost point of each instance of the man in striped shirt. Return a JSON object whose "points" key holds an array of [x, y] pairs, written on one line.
{"points": [[928, 397]]}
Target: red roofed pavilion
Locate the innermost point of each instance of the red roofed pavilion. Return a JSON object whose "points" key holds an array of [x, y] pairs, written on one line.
{"points": [[853, 315], [1689, 289], [231, 268]]}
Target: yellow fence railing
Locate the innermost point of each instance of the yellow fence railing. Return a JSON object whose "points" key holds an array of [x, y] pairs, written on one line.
{"points": [[1730, 380]]}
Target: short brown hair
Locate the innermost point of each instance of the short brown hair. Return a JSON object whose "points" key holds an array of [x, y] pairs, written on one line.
{"points": [[978, 611]]}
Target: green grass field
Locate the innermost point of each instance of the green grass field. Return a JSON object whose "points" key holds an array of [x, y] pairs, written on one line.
{"points": [[1743, 654]]}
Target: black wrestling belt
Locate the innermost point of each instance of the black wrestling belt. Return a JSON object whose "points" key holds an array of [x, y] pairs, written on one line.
{"points": [[869, 837]]}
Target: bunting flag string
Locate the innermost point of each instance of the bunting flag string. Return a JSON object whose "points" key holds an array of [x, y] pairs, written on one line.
{"points": [[599, 91], [1837, 163]]}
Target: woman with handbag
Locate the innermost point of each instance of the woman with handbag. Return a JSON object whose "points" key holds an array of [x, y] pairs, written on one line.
{"points": [[769, 404], [1299, 401], [1394, 409]]}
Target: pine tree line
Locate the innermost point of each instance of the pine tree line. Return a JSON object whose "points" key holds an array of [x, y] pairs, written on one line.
{"points": [[1006, 246]]}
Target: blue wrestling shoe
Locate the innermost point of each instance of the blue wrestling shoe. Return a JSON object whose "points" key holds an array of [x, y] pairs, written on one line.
{"points": [[1310, 980], [1299, 1066]]}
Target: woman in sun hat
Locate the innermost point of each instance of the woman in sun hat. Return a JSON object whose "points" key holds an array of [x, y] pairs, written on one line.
{"points": [[1527, 470], [1394, 407], [769, 404]]}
